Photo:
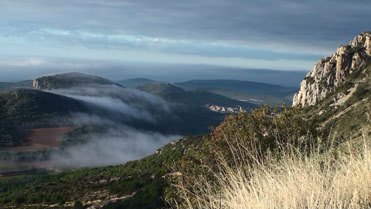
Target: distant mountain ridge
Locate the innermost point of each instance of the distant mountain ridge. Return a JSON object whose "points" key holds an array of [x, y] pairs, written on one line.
{"points": [[238, 85], [136, 82], [197, 97], [245, 91], [14, 85], [243, 86]]}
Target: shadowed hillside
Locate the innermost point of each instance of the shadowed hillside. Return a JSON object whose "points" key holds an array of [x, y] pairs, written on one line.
{"points": [[191, 97]]}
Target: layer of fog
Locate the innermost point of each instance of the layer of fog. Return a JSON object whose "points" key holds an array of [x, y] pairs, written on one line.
{"points": [[120, 142], [117, 146], [128, 102]]}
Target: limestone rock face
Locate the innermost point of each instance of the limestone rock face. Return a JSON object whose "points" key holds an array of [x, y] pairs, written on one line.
{"points": [[362, 40], [332, 71], [69, 80], [39, 84]]}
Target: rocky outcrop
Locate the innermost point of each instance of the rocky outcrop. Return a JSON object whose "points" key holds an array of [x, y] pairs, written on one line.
{"points": [[40, 84], [69, 80], [331, 72]]}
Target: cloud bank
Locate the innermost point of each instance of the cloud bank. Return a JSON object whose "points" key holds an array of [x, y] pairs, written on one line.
{"points": [[305, 22], [273, 34]]}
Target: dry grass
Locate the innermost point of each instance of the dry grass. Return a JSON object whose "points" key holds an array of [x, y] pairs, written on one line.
{"points": [[294, 181]]}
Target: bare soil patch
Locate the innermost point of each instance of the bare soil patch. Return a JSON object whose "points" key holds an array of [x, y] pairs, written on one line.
{"points": [[42, 138], [37, 140]]}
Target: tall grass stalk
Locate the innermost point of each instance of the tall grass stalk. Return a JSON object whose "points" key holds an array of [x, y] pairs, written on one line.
{"points": [[295, 180]]}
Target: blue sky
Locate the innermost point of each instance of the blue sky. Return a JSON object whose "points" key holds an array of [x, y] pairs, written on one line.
{"points": [[266, 34]]}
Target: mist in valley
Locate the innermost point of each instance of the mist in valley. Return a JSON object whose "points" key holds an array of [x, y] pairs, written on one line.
{"points": [[114, 100], [116, 146], [120, 112]]}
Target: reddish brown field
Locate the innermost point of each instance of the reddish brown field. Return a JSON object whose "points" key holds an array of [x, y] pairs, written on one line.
{"points": [[37, 139], [42, 138]]}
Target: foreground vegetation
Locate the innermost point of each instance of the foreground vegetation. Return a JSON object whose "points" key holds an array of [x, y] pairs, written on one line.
{"points": [[288, 179]]}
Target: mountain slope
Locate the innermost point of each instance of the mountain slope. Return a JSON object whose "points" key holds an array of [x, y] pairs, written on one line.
{"points": [[342, 104]]}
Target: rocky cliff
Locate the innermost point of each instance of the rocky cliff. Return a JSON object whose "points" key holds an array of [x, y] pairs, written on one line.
{"points": [[331, 72], [69, 80]]}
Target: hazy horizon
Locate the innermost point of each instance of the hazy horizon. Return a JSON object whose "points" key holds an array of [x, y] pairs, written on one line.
{"points": [[94, 36], [164, 73]]}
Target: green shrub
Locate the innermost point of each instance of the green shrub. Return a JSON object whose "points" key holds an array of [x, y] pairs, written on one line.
{"points": [[78, 205]]}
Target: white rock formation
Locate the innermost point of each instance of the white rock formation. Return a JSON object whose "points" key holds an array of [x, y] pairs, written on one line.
{"points": [[331, 72]]}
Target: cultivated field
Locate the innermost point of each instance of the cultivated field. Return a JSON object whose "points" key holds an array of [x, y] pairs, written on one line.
{"points": [[42, 138], [37, 140]]}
